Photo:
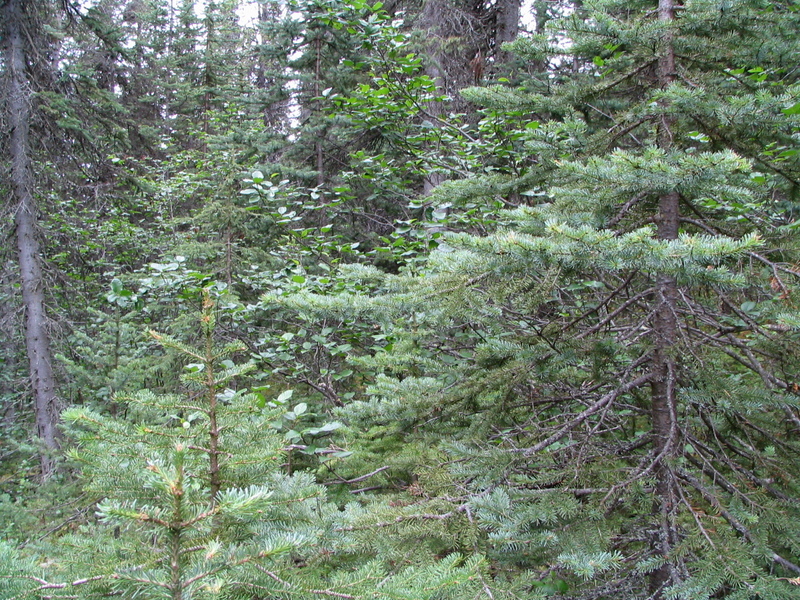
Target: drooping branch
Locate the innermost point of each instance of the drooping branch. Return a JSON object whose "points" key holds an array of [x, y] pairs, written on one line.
{"points": [[737, 525], [580, 418]]}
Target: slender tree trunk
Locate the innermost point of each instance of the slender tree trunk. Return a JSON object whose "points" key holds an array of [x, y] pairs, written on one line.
{"points": [[665, 330], [37, 341], [268, 11], [177, 558], [664, 423], [208, 72], [214, 481], [318, 148], [430, 20], [541, 15], [433, 70], [228, 255]]}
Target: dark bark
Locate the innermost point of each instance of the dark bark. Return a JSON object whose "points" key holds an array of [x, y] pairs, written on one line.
{"points": [[214, 481], [177, 556], [208, 73], [318, 149], [433, 21], [480, 31], [507, 27], [665, 331], [18, 98]]}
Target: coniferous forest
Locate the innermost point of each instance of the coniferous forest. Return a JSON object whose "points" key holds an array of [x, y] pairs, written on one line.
{"points": [[403, 300]]}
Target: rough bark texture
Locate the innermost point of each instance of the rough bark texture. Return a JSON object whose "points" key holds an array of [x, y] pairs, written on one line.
{"points": [[435, 109], [665, 331], [463, 48], [507, 27], [215, 483], [433, 21], [318, 149], [18, 98]]}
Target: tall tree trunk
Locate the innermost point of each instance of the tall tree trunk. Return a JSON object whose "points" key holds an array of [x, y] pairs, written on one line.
{"points": [[665, 330], [507, 29], [318, 148], [435, 109], [208, 72], [37, 341], [431, 21]]}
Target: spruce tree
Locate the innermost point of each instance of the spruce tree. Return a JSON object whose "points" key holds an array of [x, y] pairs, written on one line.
{"points": [[194, 500], [607, 376], [190, 485]]}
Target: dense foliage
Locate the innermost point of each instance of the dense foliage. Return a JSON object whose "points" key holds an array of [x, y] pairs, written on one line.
{"points": [[436, 299]]}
